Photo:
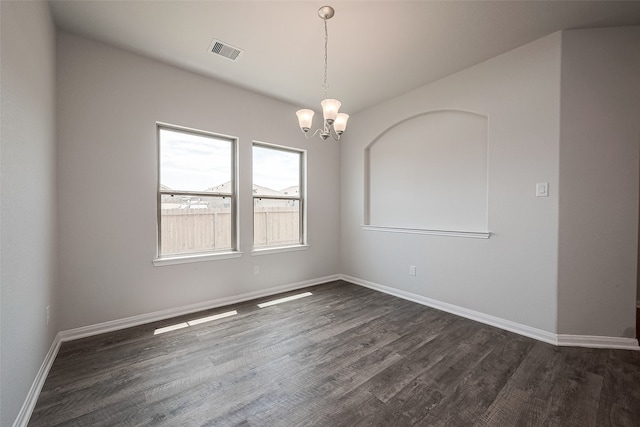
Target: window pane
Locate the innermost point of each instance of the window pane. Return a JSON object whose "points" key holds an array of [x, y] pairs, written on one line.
{"points": [[275, 172], [194, 224], [276, 222], [191, 162]]}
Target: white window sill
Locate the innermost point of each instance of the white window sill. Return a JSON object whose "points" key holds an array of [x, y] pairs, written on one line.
{"points": [[185, 259], [279, 249], [451, 233]]}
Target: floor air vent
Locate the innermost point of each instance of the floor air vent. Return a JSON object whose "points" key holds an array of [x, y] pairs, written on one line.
{"points": [[224, 49]]}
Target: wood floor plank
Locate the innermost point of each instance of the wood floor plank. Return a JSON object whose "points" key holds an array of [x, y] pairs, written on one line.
{"points": [[511, 407], [318, 391], [386, 384], [620, 399], [482, 382], [345, 356], [533, 382]]}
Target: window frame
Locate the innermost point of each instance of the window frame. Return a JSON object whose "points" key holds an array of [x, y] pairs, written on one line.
{"points": [[301, 198], [168, 259]]}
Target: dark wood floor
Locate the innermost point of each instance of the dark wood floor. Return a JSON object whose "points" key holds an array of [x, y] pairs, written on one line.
{"points": [[345, 356]]}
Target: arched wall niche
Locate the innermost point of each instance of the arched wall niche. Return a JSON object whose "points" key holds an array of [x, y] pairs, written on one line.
{"points": [[429, 172]]}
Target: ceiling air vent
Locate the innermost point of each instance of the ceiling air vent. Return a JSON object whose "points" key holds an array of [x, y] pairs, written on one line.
{"points": [[224, 49]]}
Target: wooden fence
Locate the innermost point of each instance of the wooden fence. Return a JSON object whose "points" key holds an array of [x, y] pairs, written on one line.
{"points": [[186, 231], [276, 226]]}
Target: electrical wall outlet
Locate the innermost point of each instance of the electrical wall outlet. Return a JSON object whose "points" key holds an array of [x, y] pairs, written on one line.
{"points": [[47, 310], [412, 270], [256, 269]]}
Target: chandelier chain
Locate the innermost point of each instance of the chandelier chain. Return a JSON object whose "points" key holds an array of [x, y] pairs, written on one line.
{"points": [[326, 42]]}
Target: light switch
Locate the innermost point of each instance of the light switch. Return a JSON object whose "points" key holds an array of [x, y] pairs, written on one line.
{"points": [[542, 189]]}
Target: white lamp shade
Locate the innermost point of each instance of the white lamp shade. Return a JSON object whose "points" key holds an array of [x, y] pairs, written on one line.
{"points": [[341, 122], [305, 118], [330, 109]]}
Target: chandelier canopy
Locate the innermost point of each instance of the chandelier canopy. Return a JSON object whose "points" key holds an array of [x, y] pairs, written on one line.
{"points": [[334, 123]]}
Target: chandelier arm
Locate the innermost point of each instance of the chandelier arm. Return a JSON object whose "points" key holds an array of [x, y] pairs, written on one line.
{"points": [[324, 133], [335, 135], [306, 134]]}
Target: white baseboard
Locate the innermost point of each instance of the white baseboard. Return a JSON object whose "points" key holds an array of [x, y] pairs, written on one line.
{"points": [[128, 322], [498, 322], [34, 392], [598, 342]]}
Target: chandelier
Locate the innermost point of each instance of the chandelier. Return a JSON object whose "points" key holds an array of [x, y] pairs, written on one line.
{"points": [[334, 123]]}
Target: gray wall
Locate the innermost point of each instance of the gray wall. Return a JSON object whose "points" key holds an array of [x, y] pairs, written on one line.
{"points": [[28, 265], [512, 275], [108, 103], [565, 110], [600, 138]]}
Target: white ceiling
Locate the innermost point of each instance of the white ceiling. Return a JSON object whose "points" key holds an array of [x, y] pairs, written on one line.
{"points": [[377, 49]]}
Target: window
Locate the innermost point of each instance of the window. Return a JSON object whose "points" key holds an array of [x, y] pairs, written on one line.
{"points": [[196, 192], [278, 196]]}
